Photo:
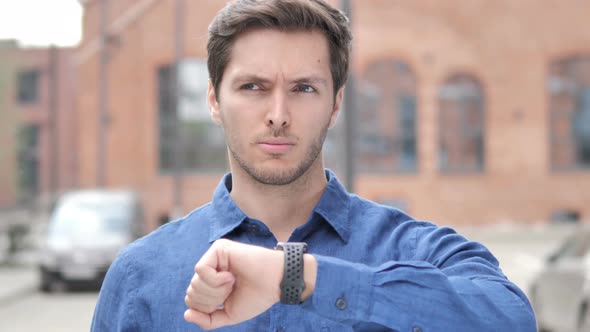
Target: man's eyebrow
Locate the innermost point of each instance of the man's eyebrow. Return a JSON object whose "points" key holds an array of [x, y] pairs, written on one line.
{"points": [[261, 79], [250, 78], [311, 80]]}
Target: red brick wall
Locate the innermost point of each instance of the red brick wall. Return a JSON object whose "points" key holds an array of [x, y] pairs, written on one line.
{"points": [[507, 45], [15, 115]]}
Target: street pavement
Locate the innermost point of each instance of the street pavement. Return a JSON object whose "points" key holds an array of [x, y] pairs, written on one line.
{"points": [[16, 282], [18, 277], [56, 312]]}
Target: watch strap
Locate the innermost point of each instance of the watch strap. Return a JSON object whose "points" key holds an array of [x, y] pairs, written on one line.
{"points": [[292, 284]]}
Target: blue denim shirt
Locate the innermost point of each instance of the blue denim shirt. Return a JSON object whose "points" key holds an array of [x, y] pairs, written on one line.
{"points": [[378, 270]]}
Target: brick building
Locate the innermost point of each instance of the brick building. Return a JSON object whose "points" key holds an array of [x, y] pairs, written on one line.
{"points": [[37, 123], [468, 112]]}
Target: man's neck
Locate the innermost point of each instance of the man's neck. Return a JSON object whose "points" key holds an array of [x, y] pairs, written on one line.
{"points": [[281, 208]]}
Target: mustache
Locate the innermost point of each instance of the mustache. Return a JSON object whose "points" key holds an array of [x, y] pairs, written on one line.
{"points": [[277, 133]]}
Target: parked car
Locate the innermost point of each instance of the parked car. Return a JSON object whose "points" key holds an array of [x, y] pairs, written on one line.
{"points": [[560, 293], [86, 231]]}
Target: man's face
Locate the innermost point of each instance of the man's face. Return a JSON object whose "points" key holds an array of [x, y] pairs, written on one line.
{"points": [[276, 103]]}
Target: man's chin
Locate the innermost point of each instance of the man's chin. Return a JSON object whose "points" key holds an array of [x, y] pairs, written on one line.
{"points": [[275, 177]]}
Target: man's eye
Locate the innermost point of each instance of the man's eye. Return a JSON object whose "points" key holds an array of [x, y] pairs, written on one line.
{"points": [[305, 88], [250, 86]]}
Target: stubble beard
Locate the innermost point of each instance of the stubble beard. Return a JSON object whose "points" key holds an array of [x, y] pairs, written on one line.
{"points": [[281, 177]]}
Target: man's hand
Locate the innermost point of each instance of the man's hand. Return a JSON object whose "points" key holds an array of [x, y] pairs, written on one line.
{"points": [[234, 282]]}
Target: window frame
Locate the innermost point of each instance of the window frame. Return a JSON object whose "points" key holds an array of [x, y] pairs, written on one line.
{"points": [[25, 94], [169, 144], [565, 86], [478, 135], [393, 144]]}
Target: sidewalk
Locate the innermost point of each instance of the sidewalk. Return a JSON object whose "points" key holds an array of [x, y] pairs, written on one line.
{"points": [[18, 277]]}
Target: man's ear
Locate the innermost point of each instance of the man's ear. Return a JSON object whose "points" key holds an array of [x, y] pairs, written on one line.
{"points": [[213, 104], [337, 106]]}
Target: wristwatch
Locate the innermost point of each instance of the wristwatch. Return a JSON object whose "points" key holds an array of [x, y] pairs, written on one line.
{"points": [[292, 285]]}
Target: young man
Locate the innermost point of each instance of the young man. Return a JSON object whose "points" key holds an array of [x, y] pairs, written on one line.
{"points": [[277, 70]]}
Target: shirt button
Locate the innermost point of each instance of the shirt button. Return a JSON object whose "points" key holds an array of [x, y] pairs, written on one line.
{"points": [[340, 303], [416, 329]]}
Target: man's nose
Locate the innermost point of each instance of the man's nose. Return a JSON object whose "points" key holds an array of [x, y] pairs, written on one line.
{"points": [[278, 114]]}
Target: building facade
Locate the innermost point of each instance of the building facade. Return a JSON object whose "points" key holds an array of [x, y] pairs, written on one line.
{"points": [[38, 140], [467, 112]]}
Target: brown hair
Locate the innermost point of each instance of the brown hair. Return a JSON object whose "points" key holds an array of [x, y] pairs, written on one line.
{"points": [[240, 15]]}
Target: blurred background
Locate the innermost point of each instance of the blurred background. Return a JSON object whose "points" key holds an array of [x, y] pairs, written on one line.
{"points": [[468, 113]]}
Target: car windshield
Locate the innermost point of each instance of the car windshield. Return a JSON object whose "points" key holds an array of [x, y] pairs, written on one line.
{"points": [[92, 217]]}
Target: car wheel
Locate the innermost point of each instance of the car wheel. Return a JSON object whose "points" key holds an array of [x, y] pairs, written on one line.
{"points": [[45, 282], [44, 287], [59, 286], [52, 284]]}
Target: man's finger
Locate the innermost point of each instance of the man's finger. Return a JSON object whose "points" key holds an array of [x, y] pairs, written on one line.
{"points": [[207, 321], [222, 256], [211, 278], [213, 298], [213, 267], [205, 298], [217, 255], [204, 308]]}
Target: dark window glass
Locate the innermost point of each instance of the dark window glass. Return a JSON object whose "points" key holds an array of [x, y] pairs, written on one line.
{"points": [[28, 160], [569, 90], [461, 124], [28, 86], [200, 143], [167, 111], [386, 118], [334, 151]]}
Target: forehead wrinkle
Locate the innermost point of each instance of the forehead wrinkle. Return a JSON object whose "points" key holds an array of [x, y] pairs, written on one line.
{"points": [[311, 80], [250, 77]]}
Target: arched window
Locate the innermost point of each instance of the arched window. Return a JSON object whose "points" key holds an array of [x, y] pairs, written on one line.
{"points": [[569, 91], [461, 124], [386, 118]]}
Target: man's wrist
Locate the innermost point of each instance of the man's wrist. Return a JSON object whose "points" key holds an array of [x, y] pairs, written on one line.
{"points": [[310, 271], [278, 257]]}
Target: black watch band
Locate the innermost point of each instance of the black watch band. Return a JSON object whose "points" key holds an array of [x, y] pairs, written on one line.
{"points": [[292, 284]]}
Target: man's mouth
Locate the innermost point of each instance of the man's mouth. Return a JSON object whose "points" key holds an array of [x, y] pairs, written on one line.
{"points": [[276, 145]]}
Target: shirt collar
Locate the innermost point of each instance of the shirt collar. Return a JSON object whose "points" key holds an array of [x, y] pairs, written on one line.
{"points": [[227, 215], [332, 207]]}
